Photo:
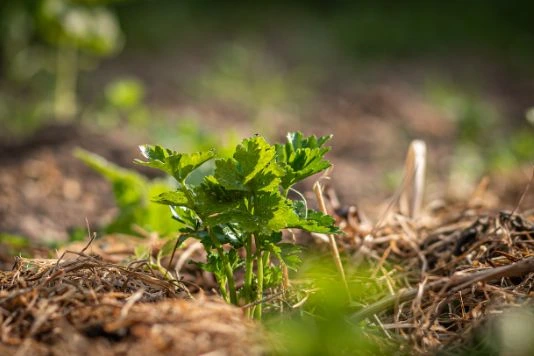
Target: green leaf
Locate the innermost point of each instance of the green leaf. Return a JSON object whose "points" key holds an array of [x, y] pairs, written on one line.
{"points": [[316, 222], [252, 167], [178, 165], [252, 156], [290, 255], [301, 157], [212, 199], [225, 234], [188, 219], [312, 221], [287, 253], [176, 198], [260, 213], [215, 265], [272, 276], [297, 140], [273, 238]]}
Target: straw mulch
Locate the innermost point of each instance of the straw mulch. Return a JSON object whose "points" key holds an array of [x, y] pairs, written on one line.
{"points": [[445, 274], [87, 306]]}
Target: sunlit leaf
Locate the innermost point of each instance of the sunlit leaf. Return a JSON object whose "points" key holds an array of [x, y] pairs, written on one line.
{"points": [[252, 167], [178, 165], [301, 157], [176, 198]]}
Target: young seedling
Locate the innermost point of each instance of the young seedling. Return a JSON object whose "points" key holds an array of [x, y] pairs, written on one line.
{"points": [[244, 205]]}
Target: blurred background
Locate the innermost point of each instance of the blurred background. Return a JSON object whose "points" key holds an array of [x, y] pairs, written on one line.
{"points": [[108, 75]]}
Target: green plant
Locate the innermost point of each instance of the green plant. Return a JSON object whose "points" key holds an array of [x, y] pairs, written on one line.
{"points": [[123, 102], [44, 47], [132, 194], [76, 27], [244, 207], [14, 244], [321, 324]]}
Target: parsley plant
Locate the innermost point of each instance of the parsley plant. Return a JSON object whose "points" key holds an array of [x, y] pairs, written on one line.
{"points": [[244, 206]]}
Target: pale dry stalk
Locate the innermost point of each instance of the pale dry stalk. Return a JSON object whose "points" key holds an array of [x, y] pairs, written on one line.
{"points": [[318, 190]]}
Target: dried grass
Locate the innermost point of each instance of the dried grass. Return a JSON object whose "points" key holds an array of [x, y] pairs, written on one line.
{"points": [[85, 306], [448, 272]]}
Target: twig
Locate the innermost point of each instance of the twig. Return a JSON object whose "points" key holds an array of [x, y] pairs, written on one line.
{"points": [[263, 300]]}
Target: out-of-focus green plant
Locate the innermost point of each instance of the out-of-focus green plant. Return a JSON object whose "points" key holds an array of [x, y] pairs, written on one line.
{"points": [[60, 37], [132, 194], [123, 103], [13, 244], [23, 60], [84, 25], [322, 325], [76, 27], [529, 115], [513, 151], [475, 118], [125, 94], [17, 120]]}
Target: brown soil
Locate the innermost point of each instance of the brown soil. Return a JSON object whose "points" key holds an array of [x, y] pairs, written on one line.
{"points": [[45, 191]]}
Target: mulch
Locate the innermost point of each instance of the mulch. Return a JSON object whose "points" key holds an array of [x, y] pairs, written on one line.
{"points": [[85, 305], [445, 274]]}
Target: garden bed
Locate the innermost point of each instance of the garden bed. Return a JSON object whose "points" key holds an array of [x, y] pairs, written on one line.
{"points": [[453, 279]]}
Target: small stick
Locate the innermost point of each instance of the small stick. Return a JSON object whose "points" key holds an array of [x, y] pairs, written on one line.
{"points": [[261, 301], [92, 237], [317, 188], [173, 252]]}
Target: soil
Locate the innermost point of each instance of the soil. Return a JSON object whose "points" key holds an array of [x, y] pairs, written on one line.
{"points": [[45, 191]]}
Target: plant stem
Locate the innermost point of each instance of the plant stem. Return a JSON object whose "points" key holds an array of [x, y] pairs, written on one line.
{"points": [[222, 287], [259, 261], [249, 265], [186, 191], [266, 257], [227, 267], [66, 76]]}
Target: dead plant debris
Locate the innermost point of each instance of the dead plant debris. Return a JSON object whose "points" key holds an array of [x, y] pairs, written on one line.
{"points": [[447, 272], [86, 305], [443, 275]]}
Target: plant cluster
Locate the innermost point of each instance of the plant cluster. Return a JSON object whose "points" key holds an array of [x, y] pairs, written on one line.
{"points": [[238, 212]]}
